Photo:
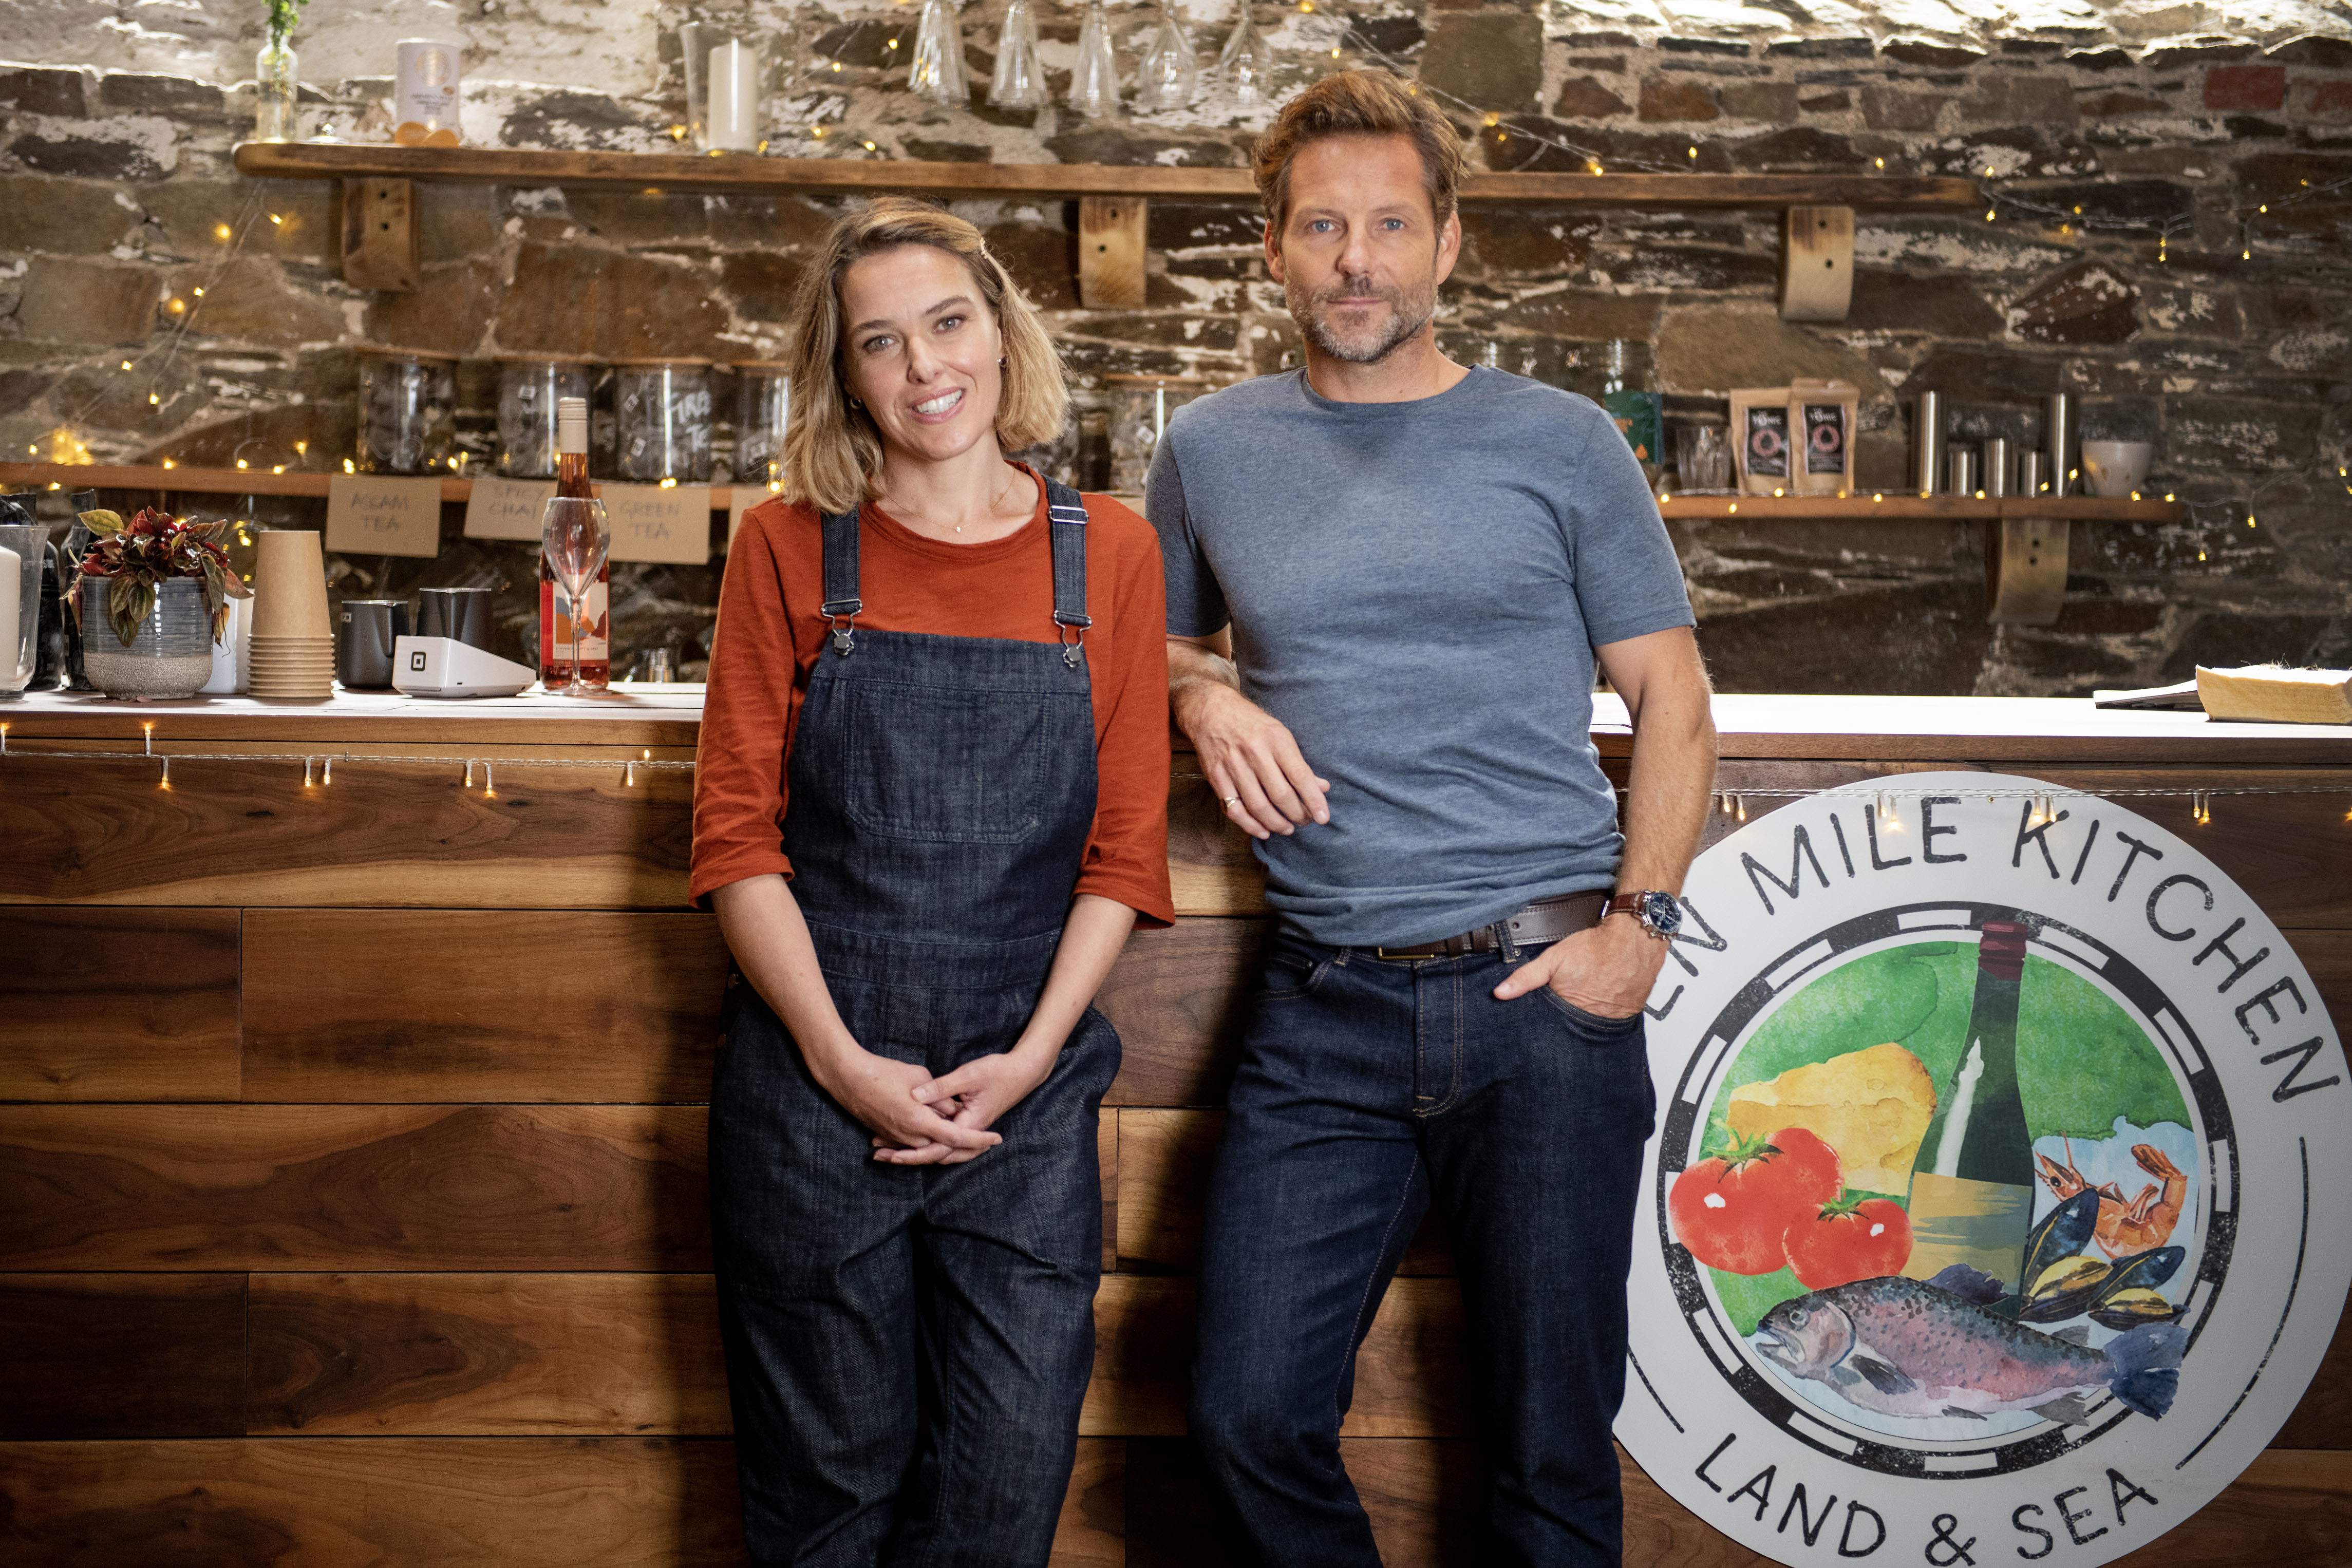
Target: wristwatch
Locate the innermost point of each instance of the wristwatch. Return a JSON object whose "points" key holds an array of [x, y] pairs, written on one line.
{"points": [[1660, 914]]}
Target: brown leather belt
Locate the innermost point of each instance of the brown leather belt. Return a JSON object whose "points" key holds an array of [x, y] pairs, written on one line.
{"points": [[1536, 925]]}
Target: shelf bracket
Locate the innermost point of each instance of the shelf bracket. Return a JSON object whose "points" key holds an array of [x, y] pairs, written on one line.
{"points": [[2025, 571], [1111, 251], [380, 235], [1817, 264]]}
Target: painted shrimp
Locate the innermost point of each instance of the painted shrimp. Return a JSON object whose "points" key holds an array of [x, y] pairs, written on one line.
{"points": [[2126, 1228]]}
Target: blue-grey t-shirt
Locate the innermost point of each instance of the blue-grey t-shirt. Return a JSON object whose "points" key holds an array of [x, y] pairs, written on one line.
{"points": [[1415, 589]]}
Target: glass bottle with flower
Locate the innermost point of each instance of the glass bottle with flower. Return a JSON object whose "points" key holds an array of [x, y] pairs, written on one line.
{"points": [[274, 82]]}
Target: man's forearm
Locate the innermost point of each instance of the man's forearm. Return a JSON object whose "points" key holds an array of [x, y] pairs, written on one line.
{"points": [[1671, 782], [1194, 668]]}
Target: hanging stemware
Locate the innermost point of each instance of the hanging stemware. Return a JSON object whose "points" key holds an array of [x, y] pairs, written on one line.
{"points": [[1169, 77], [1246, 62], [937, 71], [1094, 78], [1018, 81]]}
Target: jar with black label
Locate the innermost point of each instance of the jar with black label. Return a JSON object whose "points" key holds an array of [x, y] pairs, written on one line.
{"points": [[1629, 394], [661, 419], [407, 412]]}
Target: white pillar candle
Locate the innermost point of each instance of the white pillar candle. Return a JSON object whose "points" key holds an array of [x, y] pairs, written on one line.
{"points": [[13, 675], [732, 114]]}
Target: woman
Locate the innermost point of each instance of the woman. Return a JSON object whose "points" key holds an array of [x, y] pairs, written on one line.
{"points": [[929, 805]]}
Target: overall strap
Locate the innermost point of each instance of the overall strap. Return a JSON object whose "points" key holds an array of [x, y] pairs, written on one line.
{"points": [[1068, 515], [841, 580]]}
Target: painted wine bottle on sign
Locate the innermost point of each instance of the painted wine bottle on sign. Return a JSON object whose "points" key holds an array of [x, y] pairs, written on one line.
{"points": [[1972, 1184], [556, 609]]}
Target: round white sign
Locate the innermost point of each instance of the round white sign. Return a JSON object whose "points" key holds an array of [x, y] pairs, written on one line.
{"points": [[1980, 1223]]}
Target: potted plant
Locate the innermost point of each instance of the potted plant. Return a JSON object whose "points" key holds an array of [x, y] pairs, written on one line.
{"points": [[163, 585]]}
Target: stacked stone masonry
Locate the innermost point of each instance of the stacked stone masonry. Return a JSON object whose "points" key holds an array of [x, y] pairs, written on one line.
{"points": [[125, 236]]}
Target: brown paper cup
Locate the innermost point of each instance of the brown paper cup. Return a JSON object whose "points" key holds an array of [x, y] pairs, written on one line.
{"points": [[289, 586]]}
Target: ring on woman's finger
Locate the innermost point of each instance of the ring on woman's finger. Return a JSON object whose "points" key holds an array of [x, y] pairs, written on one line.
{"points": [[1232, 801]]}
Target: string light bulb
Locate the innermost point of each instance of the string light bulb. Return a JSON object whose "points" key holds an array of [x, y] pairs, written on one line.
{"points": [[165, 781]]}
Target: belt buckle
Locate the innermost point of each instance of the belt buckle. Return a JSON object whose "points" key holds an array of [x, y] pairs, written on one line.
{"points": [[1405, 957]]}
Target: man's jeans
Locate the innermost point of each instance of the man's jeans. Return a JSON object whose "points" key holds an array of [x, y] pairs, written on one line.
{"points": [[1369, 1089]]}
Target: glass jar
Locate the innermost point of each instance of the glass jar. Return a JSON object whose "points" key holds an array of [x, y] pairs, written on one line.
{"points": [[661, 419], [407, 412], [1139, 419], [764, 402], [529, 385], [728, 80], [275, 88]]}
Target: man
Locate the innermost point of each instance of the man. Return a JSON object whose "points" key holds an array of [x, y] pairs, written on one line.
{"points": [[1418, 565]]}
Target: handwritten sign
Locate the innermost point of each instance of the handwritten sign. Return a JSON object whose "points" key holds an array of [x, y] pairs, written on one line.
{"points": [[368, 514], [507, 508], [651, 524], [742, 499]]}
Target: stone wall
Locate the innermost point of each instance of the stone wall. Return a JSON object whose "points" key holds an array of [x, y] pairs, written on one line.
{"points": [[125, 237]]}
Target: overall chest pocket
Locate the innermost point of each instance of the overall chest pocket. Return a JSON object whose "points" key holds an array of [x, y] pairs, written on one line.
{"points": [[944, 766]]}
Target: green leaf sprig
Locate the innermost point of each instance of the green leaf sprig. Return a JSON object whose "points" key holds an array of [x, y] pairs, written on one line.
{"points": [[138, 556], [283, 14]]}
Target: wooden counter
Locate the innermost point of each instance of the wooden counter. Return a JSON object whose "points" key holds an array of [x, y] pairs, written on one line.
{"points": [[351, 1197]]}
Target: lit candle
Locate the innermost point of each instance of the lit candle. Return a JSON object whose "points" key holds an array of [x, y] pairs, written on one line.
{"points": [[731, 117]]}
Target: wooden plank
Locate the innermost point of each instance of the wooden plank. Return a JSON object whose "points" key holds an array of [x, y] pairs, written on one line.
{"points": [[1816, 264], [1178, 999], [119, 1005], [1211, 867], [1164, 1158], [380, 235], [486, 1354], [1903, 505], [348, 1502], [1111, 251], [1107, 1162], [121, 1355], [2323, 1418], [382, 833], [639, 720], [1093, 1529], [1409, 1377], [453, 1005], [2025, 571], [680, 172], [200, 1188]]}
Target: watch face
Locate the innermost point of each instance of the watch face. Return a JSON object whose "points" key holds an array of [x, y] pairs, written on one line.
{"points": [[1661, 913]]}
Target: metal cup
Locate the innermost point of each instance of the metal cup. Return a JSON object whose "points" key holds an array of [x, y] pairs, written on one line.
{"points": [[1996, 465], [364, 653], [2032, 472], [2062, 434], [463, 614], [1960, 463], [1927, 441]]}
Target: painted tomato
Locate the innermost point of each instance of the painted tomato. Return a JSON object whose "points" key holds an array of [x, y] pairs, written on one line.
{"points": [[1853, 1238], [1733, 1210]]}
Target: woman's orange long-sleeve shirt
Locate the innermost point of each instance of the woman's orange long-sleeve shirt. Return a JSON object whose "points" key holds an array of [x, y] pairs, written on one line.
{"points": [[770, 636]]}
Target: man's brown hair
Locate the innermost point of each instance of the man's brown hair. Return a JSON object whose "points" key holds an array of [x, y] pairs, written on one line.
{"points": [[1358, 103]]}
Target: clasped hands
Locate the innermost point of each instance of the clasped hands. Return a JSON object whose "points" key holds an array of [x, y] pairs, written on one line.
{"points": [[920, 1120]]}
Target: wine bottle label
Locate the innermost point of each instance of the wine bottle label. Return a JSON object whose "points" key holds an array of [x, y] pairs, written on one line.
{"points": [[1982, 1224], [555, 635]]}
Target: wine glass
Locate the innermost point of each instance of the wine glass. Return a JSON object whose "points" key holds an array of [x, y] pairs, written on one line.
{"points": [[574, 537]]}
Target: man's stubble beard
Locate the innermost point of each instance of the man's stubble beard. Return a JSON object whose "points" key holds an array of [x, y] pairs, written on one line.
{"points": [[1409, 312]]}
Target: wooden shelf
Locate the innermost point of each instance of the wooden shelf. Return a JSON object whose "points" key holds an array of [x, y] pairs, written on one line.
{"points": [[747, 173], [1752, 509], [221, 481], [1912, 508]]}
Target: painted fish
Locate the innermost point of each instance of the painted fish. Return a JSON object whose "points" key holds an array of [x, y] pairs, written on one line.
{"points": [[1903, 1348]]}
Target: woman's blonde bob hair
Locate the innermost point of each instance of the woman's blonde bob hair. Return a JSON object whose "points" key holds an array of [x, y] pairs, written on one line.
{"points": [[833, 451]]}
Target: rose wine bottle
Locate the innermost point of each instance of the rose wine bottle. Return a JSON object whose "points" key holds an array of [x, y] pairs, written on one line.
{"points": [[555, 609], [1972, 1181]]}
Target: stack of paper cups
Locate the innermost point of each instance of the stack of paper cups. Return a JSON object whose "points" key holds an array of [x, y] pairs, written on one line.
{"points": [[293, 646]]}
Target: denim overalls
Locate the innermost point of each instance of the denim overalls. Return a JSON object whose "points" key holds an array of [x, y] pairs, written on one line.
{"points": [[907, 1346]]}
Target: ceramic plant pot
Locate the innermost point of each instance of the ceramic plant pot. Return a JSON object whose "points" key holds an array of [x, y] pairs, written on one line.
{"points": [[170, 658]]}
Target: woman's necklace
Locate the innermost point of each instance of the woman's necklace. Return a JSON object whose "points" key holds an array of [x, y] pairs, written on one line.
{"points": [[996, 499]]}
